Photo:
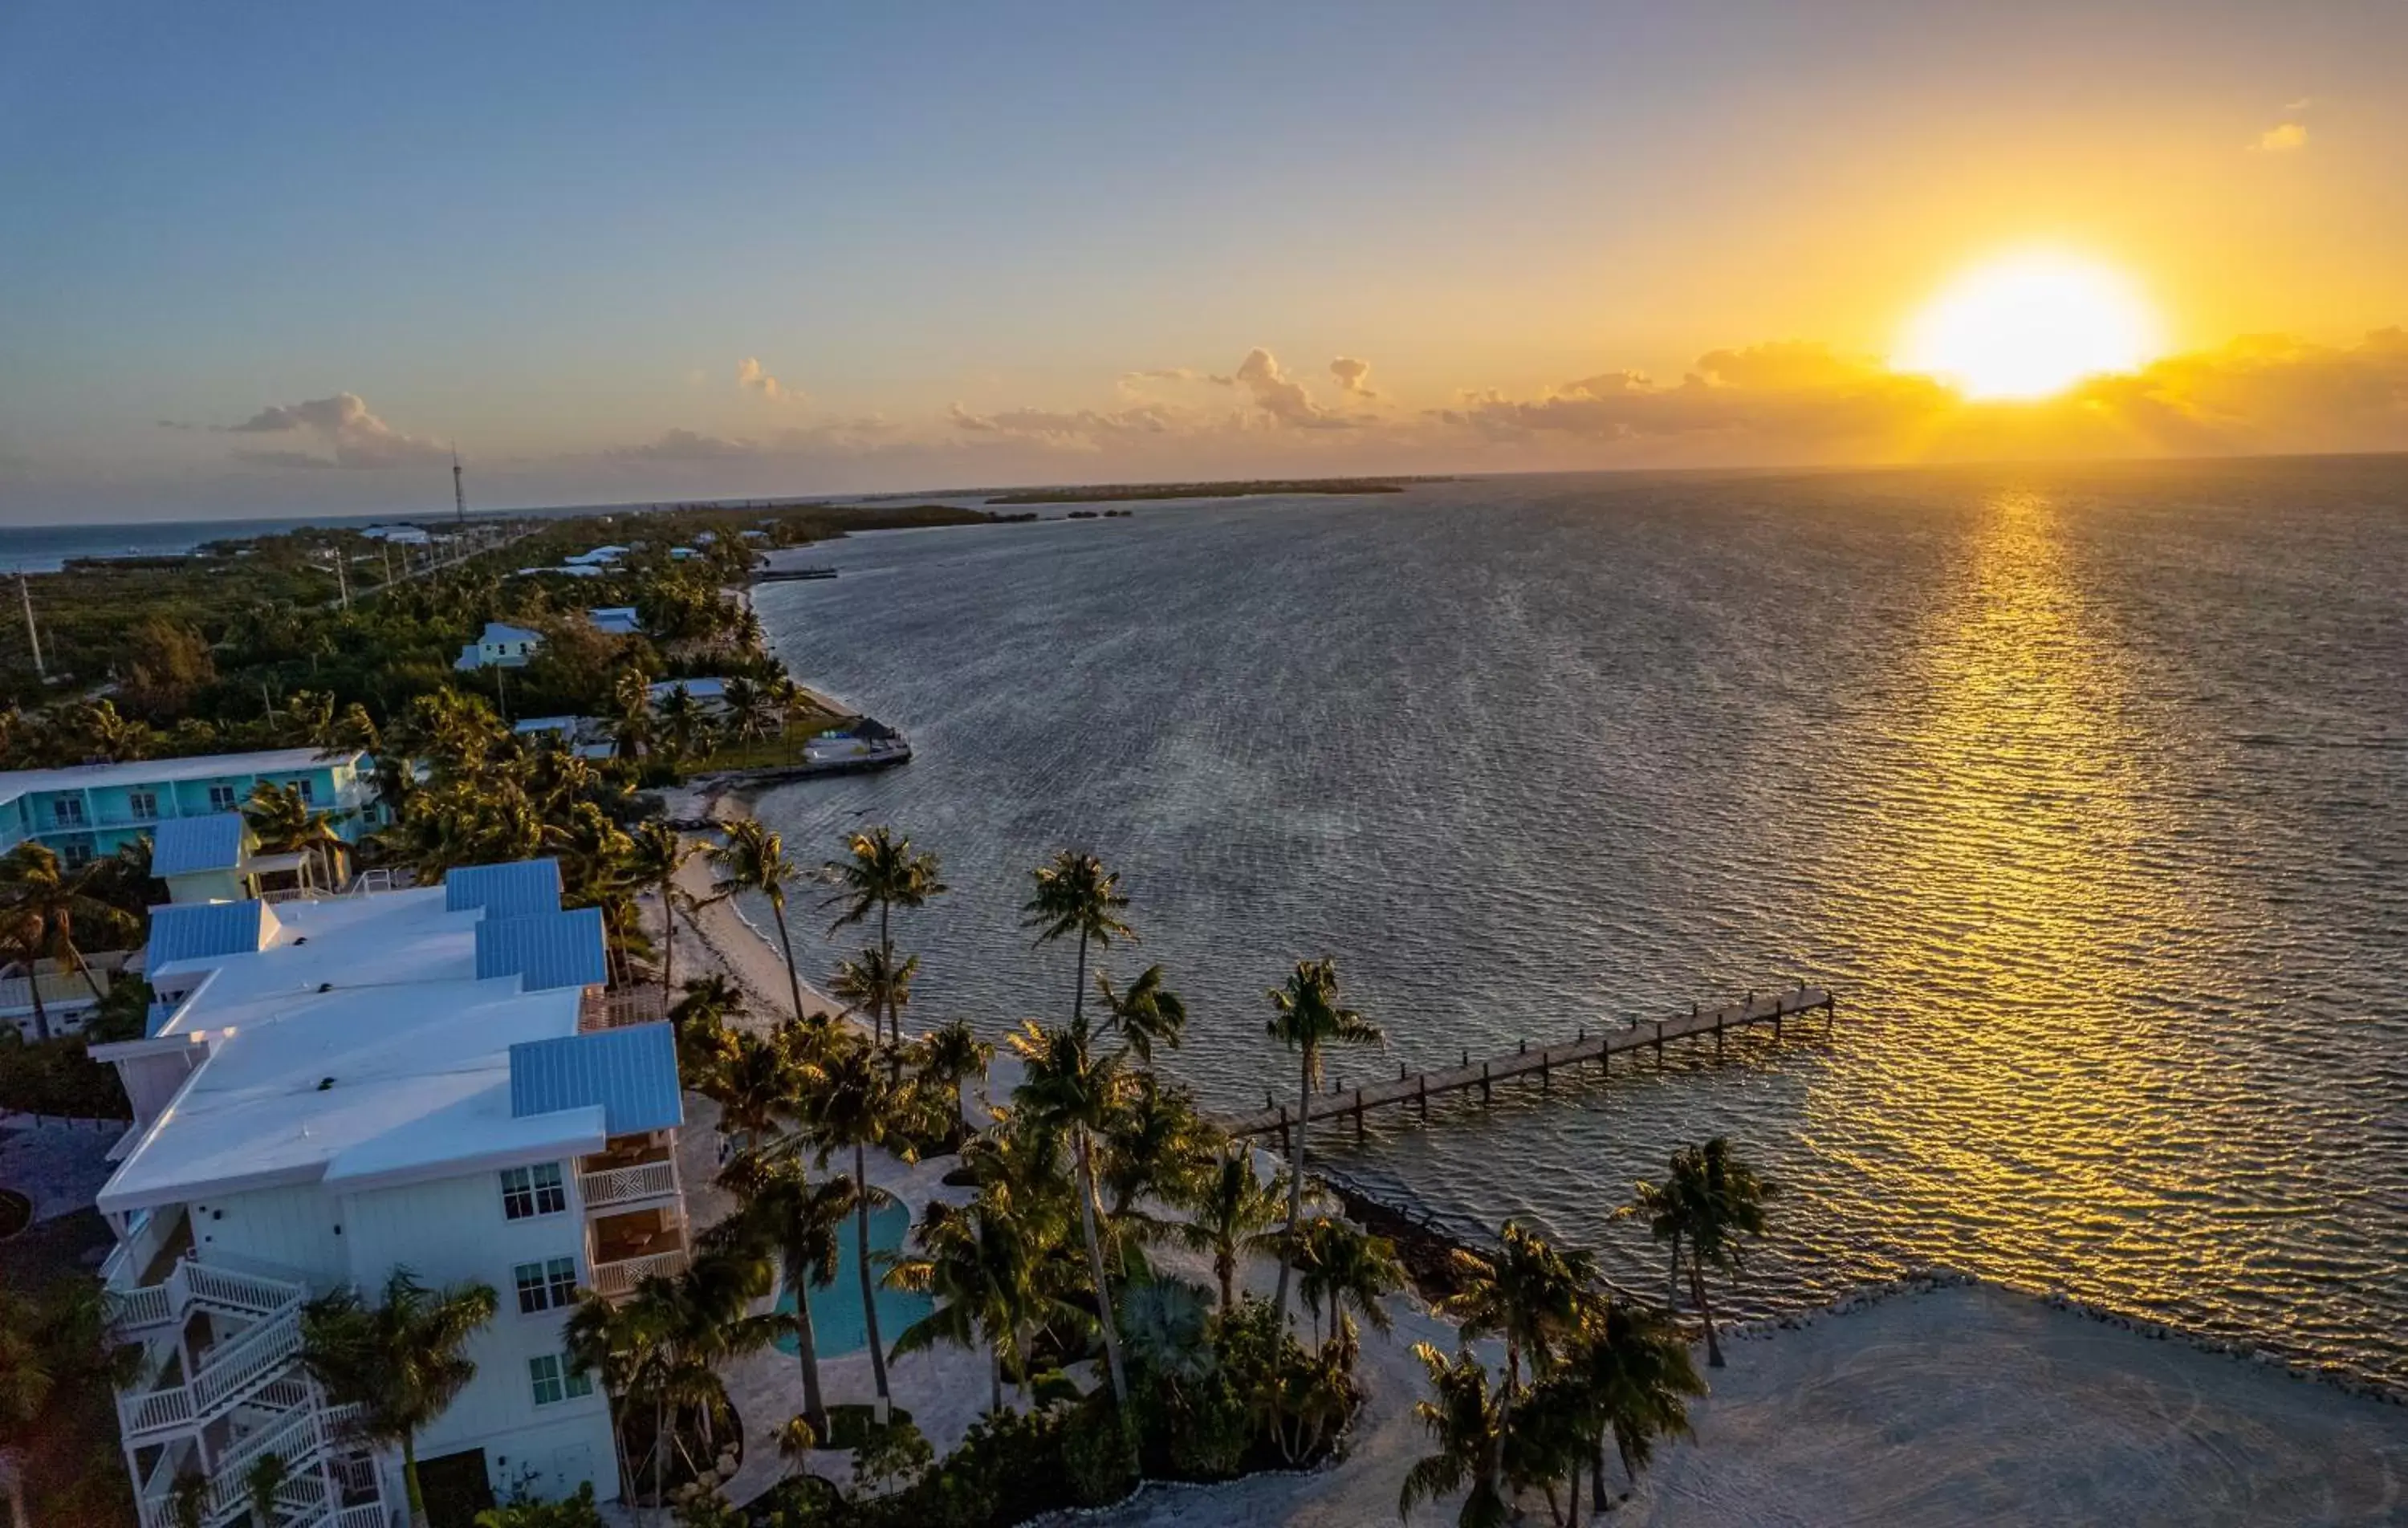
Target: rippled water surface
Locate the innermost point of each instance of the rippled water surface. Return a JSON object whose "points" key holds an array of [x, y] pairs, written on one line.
{"points": [[2084, 788]]}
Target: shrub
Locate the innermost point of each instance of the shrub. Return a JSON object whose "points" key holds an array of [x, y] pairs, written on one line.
{"points": [[576, 1511], [1098, 1453]]}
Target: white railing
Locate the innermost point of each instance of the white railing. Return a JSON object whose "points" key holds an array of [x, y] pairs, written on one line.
{"points": [[625, 1185], [245, 1294], [616, 1279], [293, 893], [366, 1515], [230, 1374], [616, 1010], [134, 1309]]}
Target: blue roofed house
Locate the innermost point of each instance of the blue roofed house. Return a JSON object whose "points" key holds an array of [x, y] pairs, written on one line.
{"points": [[500, 645], [330, 1089], [616, 620], [86, 812]]}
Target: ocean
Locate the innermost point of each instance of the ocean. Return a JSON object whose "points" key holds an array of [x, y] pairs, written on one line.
{"points": [[2083, 787]]}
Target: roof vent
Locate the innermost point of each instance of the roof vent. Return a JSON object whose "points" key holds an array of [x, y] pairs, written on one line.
{"points": [[325, 1083], [325, 986]]}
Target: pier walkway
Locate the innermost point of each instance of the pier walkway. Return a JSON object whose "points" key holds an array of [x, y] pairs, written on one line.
{"points": [[1418, 1089]]}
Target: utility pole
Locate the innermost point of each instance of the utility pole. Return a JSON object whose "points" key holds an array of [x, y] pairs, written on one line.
{"points": [[459, 495], [343, 579], [32, 638]]}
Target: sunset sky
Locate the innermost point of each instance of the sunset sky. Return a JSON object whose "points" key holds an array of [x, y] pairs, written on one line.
{"points": [[276, 260]]}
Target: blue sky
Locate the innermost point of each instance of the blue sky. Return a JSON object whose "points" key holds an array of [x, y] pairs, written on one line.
{"points": [[555, 234]]}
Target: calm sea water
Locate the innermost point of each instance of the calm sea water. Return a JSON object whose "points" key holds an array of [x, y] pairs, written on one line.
{"points": [[2084, 788]]}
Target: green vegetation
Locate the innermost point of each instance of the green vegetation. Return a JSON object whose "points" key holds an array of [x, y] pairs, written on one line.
{"points": [[400, 1361], [1119, 492]]}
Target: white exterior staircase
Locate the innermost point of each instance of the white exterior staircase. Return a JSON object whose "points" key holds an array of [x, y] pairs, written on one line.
{"points": [[250, 1383]]}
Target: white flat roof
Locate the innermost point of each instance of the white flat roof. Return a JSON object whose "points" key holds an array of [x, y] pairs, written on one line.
{"points": [[201, 766], [378, 993]]}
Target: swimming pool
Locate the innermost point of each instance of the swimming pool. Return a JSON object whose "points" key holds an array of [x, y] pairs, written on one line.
{"points": [[836, 1310]]}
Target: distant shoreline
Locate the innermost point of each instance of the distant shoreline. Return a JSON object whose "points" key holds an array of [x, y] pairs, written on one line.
{"points": [[1139, 492]]}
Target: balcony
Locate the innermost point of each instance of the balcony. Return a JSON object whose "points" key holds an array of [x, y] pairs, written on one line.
{"points": [[620, 1008], [606, 1186], [627, 1249]]}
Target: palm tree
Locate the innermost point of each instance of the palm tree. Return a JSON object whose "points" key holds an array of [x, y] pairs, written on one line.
{"points": [[44, 899], [875, 984], [753, 1084], [695, 1323], [631, 713], [683, 725], [754, 859], [618, 1342], [400, 1362], [1344, 1265], [1070, 1086], [1230, 1212], [1309, 1017], [700, 1019], [655, 853], [1468, 1420], [1633, 1372], [25, 1384], [880, 872], [796, 1222], [1526, 1291], [283, 821], [1155, 1143], [1076, 894], [1147, 1012], [948, 1056], [1713, 1200], [261, 1482], [856, 1105], [986, 1273]]}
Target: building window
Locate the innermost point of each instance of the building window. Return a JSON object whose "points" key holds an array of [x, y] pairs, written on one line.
{"points": [[533, 1190], [555, 1381], [221, 798], [79, 853], [545, 1286], [144, 805], [67, 811], [308, 794]]}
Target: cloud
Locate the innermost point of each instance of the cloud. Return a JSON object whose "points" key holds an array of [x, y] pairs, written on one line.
{"points": [[1079, 429], [1281, 396], [348, 434], [749, 373], [1352, 375], [1164, 374], [687, 445], [2283, 138]]}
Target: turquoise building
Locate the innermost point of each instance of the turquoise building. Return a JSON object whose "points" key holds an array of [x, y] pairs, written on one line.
{"points": [[89, 810]]}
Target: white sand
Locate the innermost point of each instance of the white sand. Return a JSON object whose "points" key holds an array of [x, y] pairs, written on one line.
{"points": [[1969, 1405]]}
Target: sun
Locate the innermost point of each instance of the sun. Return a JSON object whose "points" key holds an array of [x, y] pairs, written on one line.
{"points": [[2028, 324]]}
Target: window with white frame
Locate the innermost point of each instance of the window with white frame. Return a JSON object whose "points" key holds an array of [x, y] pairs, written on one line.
{"points": [[528, 1192], [142, 805], [67, 811], [547, 1285], [308, 792], [221, 798], [556, 1381]]}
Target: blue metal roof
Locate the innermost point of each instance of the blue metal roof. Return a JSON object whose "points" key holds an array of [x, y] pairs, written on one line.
{"points": [[517, 890], [196, 930], [184, 846], [545, 951], [631, 1073]]}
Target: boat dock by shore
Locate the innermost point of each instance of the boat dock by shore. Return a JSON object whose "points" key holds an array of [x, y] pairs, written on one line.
{"points": [[1418, 1088]]}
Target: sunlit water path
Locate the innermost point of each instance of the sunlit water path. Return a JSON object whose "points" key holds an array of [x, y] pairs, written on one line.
{"points": [[2083, 787]]}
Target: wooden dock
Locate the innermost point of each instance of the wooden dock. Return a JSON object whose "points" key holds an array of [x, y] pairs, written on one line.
{"points": [[1418, 1089]]}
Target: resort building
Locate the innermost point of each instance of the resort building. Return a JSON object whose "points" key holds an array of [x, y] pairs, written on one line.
{"points": [[710, 693], [90, 811], [430, 1079], [616, 620], [500, 645]]}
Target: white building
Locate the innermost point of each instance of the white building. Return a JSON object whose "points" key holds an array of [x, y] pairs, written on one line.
{"points": [[330, 1089], [500, 645], [616, 620]]}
